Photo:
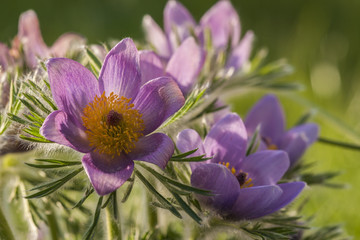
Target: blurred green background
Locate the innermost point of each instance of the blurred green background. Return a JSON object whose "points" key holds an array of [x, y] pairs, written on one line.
{"points": [[320, 38]]}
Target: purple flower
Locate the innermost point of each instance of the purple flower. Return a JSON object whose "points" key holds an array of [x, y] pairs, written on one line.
{"points": [[29, 35], [222, 21], [112, 119], [4, 57], [244, 187], [30, 38], [269, 114], [5, 61], [184, 65]]}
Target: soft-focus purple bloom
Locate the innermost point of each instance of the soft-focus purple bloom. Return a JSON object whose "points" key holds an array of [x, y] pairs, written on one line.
{"points": [[184, 65], [30, 38], [269, 114], [222, 20], [4, 57], [5, 61], [111, 120], [29, 35], [244, 187]]}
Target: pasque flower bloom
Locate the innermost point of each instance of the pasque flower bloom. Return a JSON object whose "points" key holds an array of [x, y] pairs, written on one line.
{"points": [[269, 114], [222, 21], [244, 187], [29, 39], [112, 119], [29, 36], [184, 65]]}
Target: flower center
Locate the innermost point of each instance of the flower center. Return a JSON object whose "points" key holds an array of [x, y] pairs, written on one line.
{"points": [[242, 177], [244, 180], [270, 145], [112, 125]]}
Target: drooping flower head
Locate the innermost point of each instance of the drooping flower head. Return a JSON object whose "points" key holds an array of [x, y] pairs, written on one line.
{"points": [[30, 39], [244, 187], [221, 20], [27, 47], [112, 119], [269, 114]]}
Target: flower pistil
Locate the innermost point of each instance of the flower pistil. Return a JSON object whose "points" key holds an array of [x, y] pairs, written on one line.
{"points": [[112, 125], [242, 177]]}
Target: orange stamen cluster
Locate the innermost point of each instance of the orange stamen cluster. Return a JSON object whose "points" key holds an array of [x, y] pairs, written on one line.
{"points": [[112, 125], [227, 164], [270, 145], [242, 177], [244, 180]]}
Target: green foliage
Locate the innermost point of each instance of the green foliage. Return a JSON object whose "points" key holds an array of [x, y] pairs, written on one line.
{"points": [[13, 105], [51, 187], [95, 63], [89, 232], [191, 102], [183, 157]]}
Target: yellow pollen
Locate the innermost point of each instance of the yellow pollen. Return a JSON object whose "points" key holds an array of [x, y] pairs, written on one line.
{"points": [[269, 144], [112, 125], [247, 183], [272, 147]]}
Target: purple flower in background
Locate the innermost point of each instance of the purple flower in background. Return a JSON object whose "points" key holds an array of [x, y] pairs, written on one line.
{"points": [[111, 120], [269, 114], [5, 61], [222, 20], [4, 57], [184, 65], [30, 38], [244, 187], [29, 35]]}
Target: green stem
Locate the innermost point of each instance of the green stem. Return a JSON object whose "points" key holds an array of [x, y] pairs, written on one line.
{"points": [[339, 144], [5, 231], [113, 228], [52, 223]]}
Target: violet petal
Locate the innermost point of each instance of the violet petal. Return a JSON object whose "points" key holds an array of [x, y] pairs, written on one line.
{"points": [[107, 174], [151, 66], [298, 139], [155, 35], [30, 36], [177, 23], [255, 202], [157, 100], [289, 192], [188, 140], [185, 64], [241, 53], [269, 113], [64, 74], [120, 72], [59, 128], [266, 167], [156, 148], [223, 22], [220, 181], [227, 141], [4, 57]]}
